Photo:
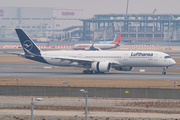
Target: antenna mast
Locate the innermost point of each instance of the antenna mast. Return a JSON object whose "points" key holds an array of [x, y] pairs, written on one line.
{"points": [[127, 6]]}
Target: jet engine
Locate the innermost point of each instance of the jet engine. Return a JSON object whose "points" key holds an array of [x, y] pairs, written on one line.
{"points": [[101, 66], [123, 68]]}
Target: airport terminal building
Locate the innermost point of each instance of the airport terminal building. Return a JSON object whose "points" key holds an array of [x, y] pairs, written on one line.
{"points": [[66, 24], [133, 26], [37, 22]]}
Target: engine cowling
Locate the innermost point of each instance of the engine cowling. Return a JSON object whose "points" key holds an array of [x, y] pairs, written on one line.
{"points": [[123, 68], [101, 66]]}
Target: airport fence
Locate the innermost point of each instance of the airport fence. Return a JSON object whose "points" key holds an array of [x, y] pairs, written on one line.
{"points": [[92, 92]]}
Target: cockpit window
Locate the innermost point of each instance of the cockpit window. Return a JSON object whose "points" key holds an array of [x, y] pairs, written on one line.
{"points": [[167, 57]]}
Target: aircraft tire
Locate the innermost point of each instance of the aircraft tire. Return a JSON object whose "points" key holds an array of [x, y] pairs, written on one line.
{"points": [[164, 73], [87, 72], [84, 71], [99, 72], [91, 72]]}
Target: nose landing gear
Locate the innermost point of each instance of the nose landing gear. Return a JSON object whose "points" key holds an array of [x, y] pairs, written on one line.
{"points": [[164, 71]]}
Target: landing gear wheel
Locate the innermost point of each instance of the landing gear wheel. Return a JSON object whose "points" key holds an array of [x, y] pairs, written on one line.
{"points": [[163, 73], [99, 72], [91, 72], [96, 72], [87, 72], [84, 71]]}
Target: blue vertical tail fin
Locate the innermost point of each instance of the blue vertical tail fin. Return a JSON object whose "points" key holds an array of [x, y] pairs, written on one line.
{"points": [[29, 47]]}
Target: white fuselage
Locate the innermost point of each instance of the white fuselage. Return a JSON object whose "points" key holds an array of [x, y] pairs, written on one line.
{"points": [[123, 58]]}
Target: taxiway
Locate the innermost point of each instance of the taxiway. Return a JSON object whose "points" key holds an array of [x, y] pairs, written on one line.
{"points": [[20, 72]]}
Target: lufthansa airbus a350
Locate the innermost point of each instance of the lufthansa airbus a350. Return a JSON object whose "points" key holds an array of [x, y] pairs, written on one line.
{"points": [[95, 61]]}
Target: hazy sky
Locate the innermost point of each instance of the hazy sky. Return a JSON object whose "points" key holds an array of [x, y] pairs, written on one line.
{"points": [[91, 7]]}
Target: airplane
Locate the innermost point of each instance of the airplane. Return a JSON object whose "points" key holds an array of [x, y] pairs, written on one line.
{"points": [[93, 46], [115, 38], [94, 61]]}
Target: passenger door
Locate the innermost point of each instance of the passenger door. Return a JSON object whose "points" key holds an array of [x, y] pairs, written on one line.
{"points": [[156, 57], [125, 57]]}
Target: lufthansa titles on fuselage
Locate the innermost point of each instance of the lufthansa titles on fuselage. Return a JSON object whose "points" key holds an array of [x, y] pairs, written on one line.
{"points": [[140, 54]]}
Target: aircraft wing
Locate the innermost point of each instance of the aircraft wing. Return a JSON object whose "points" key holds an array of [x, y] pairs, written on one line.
{"points": [[84, 60], [19, 54], [73, 59]]}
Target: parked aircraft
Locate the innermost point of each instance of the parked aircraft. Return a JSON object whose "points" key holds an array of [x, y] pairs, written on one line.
{"points": [[94, 61], [96, 47]]}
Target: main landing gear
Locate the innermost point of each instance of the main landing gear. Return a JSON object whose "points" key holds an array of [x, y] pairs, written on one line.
{"points": [[91, 72], [87, 72], [164, 71]]}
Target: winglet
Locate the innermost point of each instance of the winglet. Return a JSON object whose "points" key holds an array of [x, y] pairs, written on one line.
{"points": [[117, 40]]}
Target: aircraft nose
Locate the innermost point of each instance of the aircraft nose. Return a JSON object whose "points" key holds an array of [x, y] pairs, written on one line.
{"points": [[173, 62]]}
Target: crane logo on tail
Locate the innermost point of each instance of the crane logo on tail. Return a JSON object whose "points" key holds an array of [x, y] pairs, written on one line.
{"points": [[28, 45]]}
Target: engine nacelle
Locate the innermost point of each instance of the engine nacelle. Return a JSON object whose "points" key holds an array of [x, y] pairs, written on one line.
{"points": [[123, 68], [101, 66]]}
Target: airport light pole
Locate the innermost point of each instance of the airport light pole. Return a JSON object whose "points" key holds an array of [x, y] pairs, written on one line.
{"points": [[85, 92], [17, 81], [175, 85], [54, 18], [127, 7], [32, 103], [65, 82]]}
